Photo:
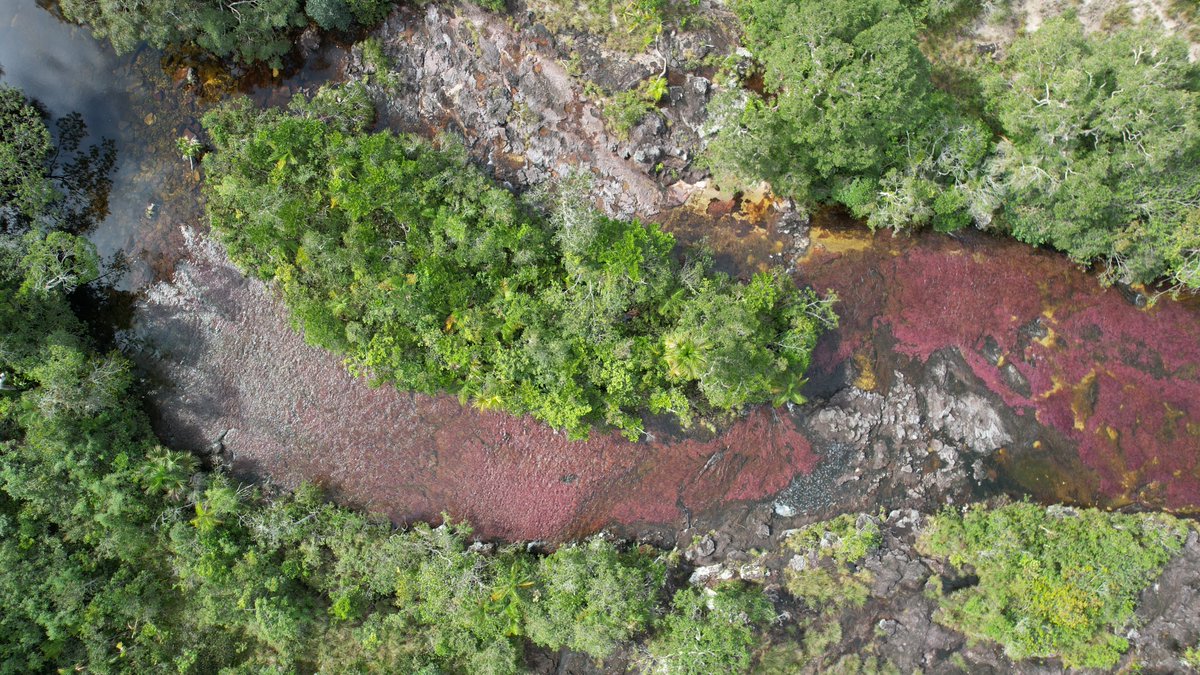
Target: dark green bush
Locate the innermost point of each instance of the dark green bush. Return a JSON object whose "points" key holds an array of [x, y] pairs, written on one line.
{"points": [[370, 12], [249, 31], [329, 14]]}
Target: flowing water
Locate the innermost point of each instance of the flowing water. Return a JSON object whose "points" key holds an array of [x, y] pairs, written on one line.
{"points": [[1111, 391]]}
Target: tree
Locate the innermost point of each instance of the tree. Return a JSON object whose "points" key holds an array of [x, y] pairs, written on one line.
{"points": [[25, 148], [710, 631], [59, 185], [839, 100], [59, 261], [1100, 143], [592, 597]]}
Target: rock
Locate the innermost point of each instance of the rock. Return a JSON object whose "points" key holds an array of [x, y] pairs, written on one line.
{"points": [[753, 572], [702, 575], [991, 350], [309, 41], [485, 548], [648, 155], [1015, 380], [784, 510], [961, 413]]}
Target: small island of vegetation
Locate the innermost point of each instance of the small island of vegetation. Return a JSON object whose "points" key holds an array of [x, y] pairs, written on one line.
{"points": [[409, 261]]}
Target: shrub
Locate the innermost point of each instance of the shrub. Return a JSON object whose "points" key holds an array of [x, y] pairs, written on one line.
{"points": [[625, 110], [710, 631], [828, 582], [846, 538], [591, 597], [828, 591], [1052, 582]]}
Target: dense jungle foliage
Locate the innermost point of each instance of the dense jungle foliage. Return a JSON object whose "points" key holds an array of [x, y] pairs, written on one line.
{"points": [[409, 261], [1052, 582], [1087, 143], [250, 30], [119, 555]]}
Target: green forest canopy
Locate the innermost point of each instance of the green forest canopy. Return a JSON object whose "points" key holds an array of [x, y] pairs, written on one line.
{"points": [[409, 261], [1088, 143], [1052, 582], [253, 30]]}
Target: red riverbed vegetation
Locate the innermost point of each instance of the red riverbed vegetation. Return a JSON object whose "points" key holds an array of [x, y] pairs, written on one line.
{"points": [[293, 413], [1122, 382]]}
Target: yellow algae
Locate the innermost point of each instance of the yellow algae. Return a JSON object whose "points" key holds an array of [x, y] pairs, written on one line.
{"points": [[865, 380], [755, 210], [1048, 340], [698, 196], [1172, 415], [1057, 387], [838, 241], [1083, 399]]}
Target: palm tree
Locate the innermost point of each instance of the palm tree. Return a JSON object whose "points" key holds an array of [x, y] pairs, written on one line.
{"points": [[685, 356], [167, 471], [508, 591]]}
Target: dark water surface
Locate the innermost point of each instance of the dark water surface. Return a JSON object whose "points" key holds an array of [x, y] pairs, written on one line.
{"points": [[67, 70], [143, 101]]}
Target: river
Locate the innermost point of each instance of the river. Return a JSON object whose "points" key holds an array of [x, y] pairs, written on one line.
{"points": [[1096, 400]]}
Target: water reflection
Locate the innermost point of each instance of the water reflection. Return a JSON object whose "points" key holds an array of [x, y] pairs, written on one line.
{"points": [[143, 101]]}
